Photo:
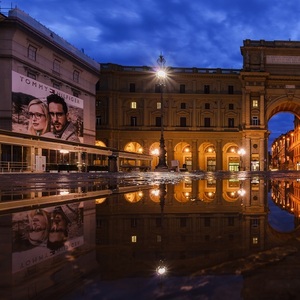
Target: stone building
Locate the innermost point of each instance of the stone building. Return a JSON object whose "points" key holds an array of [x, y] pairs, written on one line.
{"points": [[209, 115]]}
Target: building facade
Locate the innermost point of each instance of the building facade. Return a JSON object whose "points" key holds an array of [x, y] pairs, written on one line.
{"points": [[34, 64], [209, 115]]}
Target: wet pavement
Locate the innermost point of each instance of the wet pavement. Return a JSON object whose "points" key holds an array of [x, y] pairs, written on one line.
{"points": [[214, 241]]}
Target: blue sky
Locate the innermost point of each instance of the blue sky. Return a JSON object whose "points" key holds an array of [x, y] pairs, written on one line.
{"points": [[199, 33]]}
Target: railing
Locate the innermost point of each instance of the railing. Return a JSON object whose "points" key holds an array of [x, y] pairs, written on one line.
{"points": [[7, 166]]}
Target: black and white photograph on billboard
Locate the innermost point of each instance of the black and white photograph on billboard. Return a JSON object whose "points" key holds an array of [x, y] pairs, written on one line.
{"points": [[42, 233], [39, 109]]}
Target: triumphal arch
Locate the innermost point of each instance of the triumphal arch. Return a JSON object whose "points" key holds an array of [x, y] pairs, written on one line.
{"points": [[271, 84]]}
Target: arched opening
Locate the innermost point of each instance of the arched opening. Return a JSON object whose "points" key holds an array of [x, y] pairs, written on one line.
{"points": [[281, 129], [134, 147], [183, 153]]}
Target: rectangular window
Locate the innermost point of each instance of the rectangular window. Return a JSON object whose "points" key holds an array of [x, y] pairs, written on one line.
{"points": [[211, 164], [207, 105], [98, 120], [133, 121], [133, 105], [206, 122], [133, 239], [182, 88], [231, 106], [76, 76], [182, 121], [206, 89], [183, 222], [158, 105], [230, 89], [254, 222], [183, 105], [255, 103], [158, 222], [255, 121], [56, 85], [132, 87], [255, 240], [31, 75], [32, 52], [158, 121], [206, 222], [231, 122], [230, 221], [133, 222], [56, 66]]}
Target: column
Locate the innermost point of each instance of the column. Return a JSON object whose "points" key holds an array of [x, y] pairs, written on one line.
{"points": [[219, 155]]}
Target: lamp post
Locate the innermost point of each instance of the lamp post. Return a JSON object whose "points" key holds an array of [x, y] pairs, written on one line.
{"points": [[161, 75], [241, 153]]}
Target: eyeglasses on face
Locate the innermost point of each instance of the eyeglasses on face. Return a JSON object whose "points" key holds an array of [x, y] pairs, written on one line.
{"points": [[57, 115], [36, 115]]}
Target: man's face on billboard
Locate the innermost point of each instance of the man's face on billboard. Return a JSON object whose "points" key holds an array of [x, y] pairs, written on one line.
{"points": [[58, 117]]}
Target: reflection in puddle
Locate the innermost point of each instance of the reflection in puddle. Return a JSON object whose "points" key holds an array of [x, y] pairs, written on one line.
{"points": [[148, 236]]}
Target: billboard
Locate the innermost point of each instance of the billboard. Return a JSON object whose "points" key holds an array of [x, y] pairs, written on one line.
{"points": [[39, 109], [43, 233]]}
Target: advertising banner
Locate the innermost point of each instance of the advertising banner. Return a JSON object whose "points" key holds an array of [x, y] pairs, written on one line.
{"points": [[42, 233], [39, 109]]}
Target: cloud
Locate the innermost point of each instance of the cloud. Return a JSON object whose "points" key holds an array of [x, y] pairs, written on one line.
{"points": [[200, 33]]}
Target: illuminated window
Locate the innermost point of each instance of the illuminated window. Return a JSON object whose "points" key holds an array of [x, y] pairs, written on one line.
{"points": [[255, 240], [158, 238], [76, 76], [158, 105], [133, 105], [32, 52], [254, 103], [133, 239]]}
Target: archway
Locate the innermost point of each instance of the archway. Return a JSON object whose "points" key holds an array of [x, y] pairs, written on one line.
{"points": [[207, 157], [134, 147], [232, 160], [183, 153]]}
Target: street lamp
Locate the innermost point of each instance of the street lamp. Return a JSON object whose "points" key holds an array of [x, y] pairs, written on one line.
{"points": [[241, 153], [161, 76]]}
